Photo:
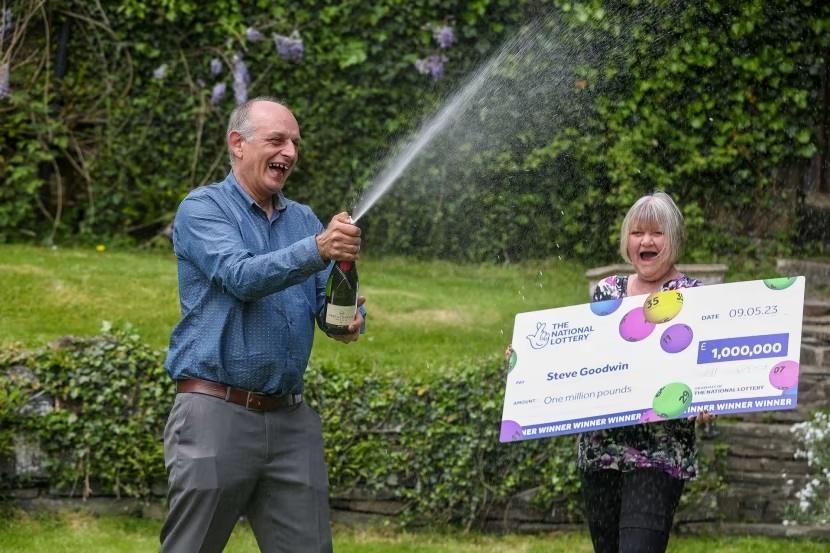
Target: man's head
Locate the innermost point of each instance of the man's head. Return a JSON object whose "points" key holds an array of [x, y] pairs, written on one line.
{"points": [[263, 143]]}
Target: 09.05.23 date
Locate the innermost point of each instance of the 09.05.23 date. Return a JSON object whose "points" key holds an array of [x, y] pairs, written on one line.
{"points": [[752, 311]]}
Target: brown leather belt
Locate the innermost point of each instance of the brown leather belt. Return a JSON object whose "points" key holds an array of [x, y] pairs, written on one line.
{"points": [[250, 400]]}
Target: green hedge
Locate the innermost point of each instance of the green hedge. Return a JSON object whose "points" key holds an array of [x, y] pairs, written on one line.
{"points": [[715, 101], [431, 444], [110, 397], [129, 142]]}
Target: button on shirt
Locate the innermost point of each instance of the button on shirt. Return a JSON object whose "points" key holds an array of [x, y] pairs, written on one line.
{"points": [[250, 290]]}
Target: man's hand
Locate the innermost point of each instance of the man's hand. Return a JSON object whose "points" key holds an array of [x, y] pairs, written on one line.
{"points": [[340, 240], [354, 327]]}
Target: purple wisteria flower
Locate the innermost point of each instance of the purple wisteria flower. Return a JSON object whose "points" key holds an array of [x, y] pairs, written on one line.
{"points": [[5, 87], [432, 65], [253, 35], [444, 36], [289, 48], [160, 72], [215, 66], [217, 94], [241, 79]]}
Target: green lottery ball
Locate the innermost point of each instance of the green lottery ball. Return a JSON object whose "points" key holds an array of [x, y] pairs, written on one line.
{"points": [[779, 283], [671, 400], [661, 307], [511, 361]]}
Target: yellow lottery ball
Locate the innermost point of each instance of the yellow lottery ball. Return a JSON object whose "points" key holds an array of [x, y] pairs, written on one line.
{"points": [[661, 307]]}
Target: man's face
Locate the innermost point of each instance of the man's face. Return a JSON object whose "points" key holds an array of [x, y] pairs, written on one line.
{"points": [[264, 161]]}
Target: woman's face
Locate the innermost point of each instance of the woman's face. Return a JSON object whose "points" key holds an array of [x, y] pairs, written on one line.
{"points": [[645, 249]]}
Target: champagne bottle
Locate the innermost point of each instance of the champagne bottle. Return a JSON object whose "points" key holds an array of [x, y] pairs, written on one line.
{"points": [[341, 297]]}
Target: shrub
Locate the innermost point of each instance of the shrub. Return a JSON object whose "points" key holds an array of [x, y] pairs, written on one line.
{"points": [[431, 444], [814, 497], [716, 102]]}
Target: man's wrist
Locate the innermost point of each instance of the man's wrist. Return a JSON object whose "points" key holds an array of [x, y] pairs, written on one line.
{"points": [[317, 240]]}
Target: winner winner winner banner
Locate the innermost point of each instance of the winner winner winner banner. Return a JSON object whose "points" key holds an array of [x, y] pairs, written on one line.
{"points": [[727, 348]]}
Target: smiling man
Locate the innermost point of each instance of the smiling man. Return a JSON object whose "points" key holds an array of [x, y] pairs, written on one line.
{"points": [[239, 439], [263, 160]]}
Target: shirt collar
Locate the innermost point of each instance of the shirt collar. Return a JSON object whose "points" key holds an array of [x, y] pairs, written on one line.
{"points": [[247, 200]]}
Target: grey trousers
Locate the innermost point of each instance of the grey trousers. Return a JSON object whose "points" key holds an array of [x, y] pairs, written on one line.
{"points": [[225, 461]]}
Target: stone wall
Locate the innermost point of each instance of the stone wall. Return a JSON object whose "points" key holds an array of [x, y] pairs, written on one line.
{"points": [[815, 273], [761, 469]]}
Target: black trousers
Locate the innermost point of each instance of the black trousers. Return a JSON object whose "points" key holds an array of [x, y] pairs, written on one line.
{"points": [[630, 512]]}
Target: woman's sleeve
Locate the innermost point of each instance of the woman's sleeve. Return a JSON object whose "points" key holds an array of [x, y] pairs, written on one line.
{"points": [[605, 289]]}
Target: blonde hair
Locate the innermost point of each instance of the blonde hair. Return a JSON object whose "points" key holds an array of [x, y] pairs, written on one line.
{"points": [[655, 210]]}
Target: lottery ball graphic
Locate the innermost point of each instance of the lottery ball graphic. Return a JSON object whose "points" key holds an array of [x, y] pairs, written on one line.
{"points": [[605, 307], [510, 431], [661, 307], [784, 374], [671, 400], [650, 416], [676, 338], [779, 283], [634, 326], [511, 361]]}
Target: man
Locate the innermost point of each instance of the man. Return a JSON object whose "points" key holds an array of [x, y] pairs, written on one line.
{"points": [[239, 439]]}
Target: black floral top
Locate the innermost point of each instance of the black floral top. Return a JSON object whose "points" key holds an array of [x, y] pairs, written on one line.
{"points": [[668, 446]]}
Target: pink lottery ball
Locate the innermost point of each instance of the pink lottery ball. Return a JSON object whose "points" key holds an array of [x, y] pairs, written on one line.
{"points": [[634, 326], [676, 338], [650, 416], [784, 374]]}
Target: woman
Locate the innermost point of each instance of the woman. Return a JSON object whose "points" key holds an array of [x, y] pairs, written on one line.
{"points": [[632, 477]]}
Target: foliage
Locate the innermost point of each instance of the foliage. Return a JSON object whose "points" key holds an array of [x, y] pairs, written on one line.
{"points": [[110, 399], [814, 496], [710, 101], [436, 444], [113, 146], [716, 102], [702, 494], [13, 398], [432, 444]]}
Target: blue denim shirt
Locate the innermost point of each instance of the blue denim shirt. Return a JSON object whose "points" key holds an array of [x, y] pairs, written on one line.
{"points": [[250, 290]]}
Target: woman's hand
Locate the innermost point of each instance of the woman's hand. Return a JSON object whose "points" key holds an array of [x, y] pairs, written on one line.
{"points": [[508, 351], [703, 417]]}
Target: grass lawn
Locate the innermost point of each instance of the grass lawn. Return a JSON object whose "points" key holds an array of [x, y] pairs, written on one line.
{"points": [[423, 315], [72, 532]]}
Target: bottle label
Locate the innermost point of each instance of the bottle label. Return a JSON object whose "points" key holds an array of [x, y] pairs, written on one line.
{"points": [[340, 315]]}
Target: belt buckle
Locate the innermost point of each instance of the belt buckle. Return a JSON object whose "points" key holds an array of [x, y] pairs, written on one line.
{"points": [[248, 402]]}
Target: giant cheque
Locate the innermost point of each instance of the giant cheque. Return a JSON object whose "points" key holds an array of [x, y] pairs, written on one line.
{"points": [[727, 348]]}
